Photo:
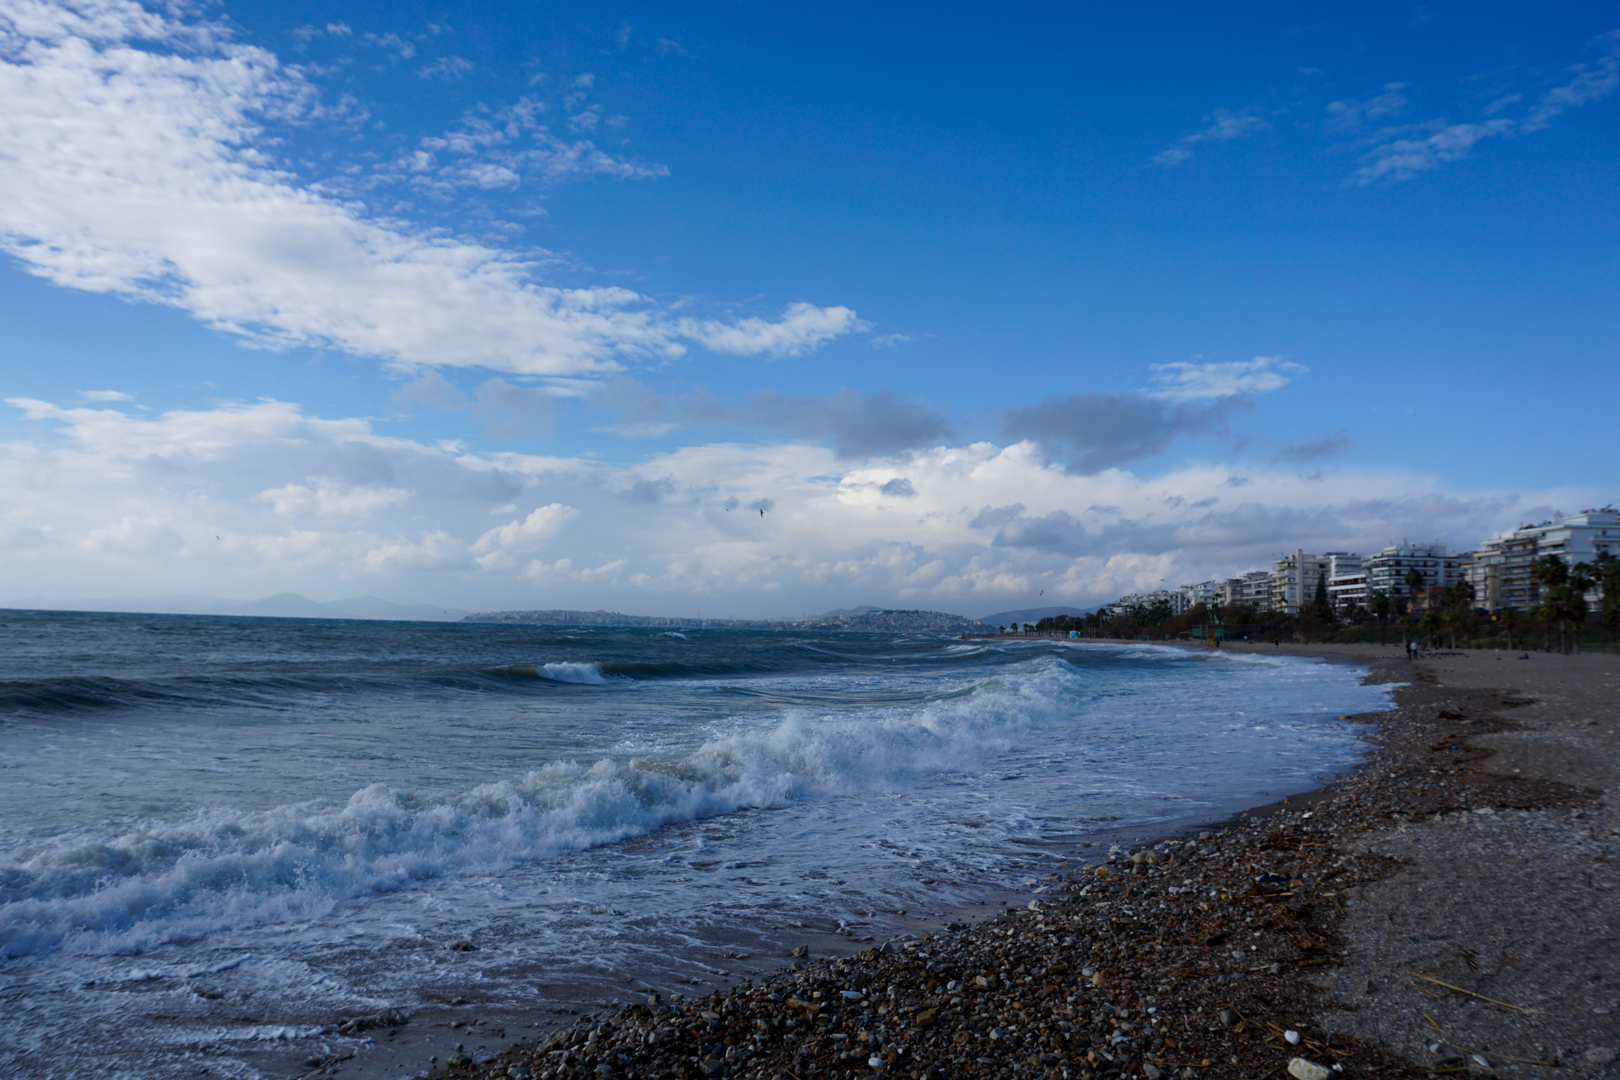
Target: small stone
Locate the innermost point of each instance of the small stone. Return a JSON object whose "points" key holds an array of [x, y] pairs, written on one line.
{"points": [[801, 952], [997, 1034], [1600, 1055], [1301, 1069], [1292, 1037], [1229, 1017], [875, 1062], [1098, 978], [458, 1061], [927, 1018], [1479, 1059], [1151, 1071]]}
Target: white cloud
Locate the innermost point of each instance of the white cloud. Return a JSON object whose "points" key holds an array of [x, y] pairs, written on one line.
{"points": [[1350, 115], [1224, 126], [1210, 381], [504, 150], [802, 327], [252, 499], [105, 395], [134, 161], [329, 498], [448, 68], [1400, 155], [1588, 85], [1402, 159]]}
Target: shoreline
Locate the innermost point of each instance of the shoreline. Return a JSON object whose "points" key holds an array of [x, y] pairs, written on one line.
{"points": [[1129, 970]]}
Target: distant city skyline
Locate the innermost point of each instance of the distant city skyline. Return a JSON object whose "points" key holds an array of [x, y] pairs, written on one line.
{"points": [[661, 308]]}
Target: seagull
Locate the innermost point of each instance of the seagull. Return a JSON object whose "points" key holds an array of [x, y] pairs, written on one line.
{"points": [[762, 511]]}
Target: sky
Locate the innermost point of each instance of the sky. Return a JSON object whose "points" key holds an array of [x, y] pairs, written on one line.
{"points": [[745, 310]]}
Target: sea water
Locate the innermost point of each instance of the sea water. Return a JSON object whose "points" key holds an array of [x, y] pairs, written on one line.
{"points": [[221, 837]]}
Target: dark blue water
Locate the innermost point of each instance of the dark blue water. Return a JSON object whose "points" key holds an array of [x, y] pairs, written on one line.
{"points": [[242, 802]]}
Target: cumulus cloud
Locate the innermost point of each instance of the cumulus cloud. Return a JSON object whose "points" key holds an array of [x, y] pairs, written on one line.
{"points": [[899, 488], [137, 162], [100, 501], [1224, 126]]}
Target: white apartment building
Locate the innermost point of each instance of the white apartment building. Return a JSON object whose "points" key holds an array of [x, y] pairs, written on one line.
{"points": [[1387, 570], [1207, 593], [1347, 581], [1500, 570], [1252, 590], [1294, 579]]}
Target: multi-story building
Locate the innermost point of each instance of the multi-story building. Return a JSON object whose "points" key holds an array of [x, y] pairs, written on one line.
{"points": [[1482, 568], [1207, 593], [1504, 564], [1251, 590], [1347, 581], [1387, 570], [1294, 579]]}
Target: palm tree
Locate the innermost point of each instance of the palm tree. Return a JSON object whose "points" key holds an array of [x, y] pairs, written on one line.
{"points": [[1606, 568], [1414, 584], [1564, 601]]}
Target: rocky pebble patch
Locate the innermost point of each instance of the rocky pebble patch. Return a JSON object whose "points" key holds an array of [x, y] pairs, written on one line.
{"points": [[1201, 956]]}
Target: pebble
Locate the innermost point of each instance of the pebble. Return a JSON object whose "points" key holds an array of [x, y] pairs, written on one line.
{"points": [[1301, 1069], [1066, 985]]}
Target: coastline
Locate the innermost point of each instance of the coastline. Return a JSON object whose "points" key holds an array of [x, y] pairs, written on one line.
{"points": [[1363, 931]]}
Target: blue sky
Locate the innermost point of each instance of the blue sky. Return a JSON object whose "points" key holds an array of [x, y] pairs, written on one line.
{"points": [[495, 306]]}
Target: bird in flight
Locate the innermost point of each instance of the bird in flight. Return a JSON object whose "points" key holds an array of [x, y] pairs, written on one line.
{"points": [[762, 511]]}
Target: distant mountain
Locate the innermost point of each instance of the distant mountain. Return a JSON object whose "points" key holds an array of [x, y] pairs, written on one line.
{"points": [[282, 605], [869, 619], [1032, 615]]}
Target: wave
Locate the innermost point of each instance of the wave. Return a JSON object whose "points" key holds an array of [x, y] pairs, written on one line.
{"points": [[160, 880]]}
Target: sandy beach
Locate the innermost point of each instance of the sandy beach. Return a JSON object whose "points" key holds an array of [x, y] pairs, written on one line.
{"points": [[1449, 908]]}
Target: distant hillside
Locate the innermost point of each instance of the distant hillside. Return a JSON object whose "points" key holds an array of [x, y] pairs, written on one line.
{"points": [[1032, 615], [868, 619]]}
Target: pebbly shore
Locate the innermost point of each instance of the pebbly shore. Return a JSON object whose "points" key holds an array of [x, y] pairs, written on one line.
{"points": [[1449, 908]]}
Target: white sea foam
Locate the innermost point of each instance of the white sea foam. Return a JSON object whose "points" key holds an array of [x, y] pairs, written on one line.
{"points": [[162, 880], [573, 672]]}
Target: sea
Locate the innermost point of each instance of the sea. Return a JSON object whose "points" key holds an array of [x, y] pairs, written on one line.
{"points": [[221, 838]]}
